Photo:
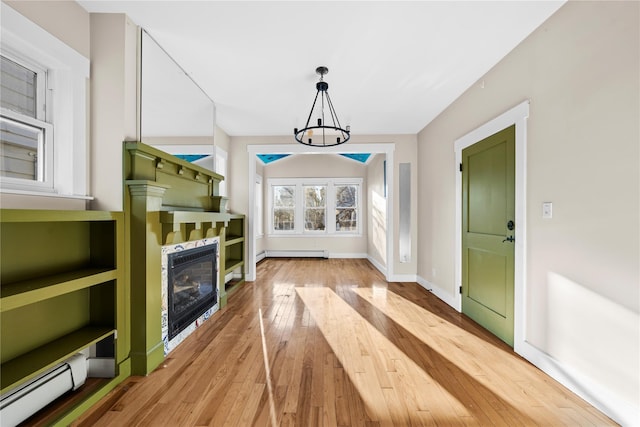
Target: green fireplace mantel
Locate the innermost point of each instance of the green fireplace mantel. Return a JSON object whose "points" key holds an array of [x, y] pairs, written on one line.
{"points": [[167, 200]]}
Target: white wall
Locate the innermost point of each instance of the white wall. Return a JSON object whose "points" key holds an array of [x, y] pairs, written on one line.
{"points": [[114, 94], [580, 70], [377, 210]]}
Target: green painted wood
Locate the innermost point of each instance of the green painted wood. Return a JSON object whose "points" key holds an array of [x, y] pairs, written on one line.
{"points": [[488, 193], [37, 361], [232, 240], [62, 289], [181, 217], [18, 294], [45, 216], [232, 264]]}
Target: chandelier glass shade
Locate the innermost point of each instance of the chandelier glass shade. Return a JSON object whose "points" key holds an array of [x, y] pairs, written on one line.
{"points": [[325, 129]]}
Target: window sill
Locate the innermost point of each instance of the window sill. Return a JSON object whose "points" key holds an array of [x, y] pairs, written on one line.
{"points": [[311, 235], [44, 194]]}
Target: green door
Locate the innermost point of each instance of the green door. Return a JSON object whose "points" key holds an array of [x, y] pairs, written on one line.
{"points": [[488, 215]]}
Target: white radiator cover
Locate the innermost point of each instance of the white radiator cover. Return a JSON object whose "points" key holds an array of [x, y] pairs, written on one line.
{"points": [[20, 403]]}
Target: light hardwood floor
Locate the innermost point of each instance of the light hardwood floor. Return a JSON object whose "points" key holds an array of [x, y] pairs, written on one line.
{"points": [[329, 342]]}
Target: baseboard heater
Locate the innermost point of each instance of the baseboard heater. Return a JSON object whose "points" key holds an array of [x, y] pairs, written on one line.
{"points": [[297, 254], [20, 403]]}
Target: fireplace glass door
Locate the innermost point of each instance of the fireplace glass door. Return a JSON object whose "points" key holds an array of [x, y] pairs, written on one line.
{"points": [[192, 282]]}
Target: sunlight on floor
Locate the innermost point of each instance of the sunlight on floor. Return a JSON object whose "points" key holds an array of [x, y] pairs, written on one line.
{"points": [[467, 352], [390, 383], [265, 356]]}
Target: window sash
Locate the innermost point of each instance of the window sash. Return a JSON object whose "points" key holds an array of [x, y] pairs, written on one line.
{"points": [[26, 151], [347, 202], [315, 208]]}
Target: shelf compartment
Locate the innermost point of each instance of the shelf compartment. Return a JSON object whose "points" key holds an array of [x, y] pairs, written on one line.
{"points": [[37, 361], [232, 264], [18, 294]]}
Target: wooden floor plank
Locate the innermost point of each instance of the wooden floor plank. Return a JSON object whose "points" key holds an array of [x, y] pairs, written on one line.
{"points": [[328, 342]]}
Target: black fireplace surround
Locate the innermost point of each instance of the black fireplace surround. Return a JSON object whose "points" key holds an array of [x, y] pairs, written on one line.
{"points": [[192, 279]]}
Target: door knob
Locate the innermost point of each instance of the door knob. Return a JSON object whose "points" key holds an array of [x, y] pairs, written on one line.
{"points": [[509, 239]]}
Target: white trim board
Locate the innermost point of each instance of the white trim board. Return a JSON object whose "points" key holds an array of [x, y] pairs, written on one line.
{"points": [[438, 292], [515, 116]]}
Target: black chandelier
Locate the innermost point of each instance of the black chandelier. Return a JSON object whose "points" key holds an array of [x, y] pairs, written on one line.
{"points": [[330, 135]]}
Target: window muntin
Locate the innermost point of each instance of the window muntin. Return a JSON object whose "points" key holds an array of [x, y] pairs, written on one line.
{"points": [[284, 207], [311, 204], [346, 208], [315, 207]]}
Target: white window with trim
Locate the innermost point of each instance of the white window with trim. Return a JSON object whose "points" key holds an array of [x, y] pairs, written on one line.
{"points": [[317, 206], [26, 139], [43, 113]]}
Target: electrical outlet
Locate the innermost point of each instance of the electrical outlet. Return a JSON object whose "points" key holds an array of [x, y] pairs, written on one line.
{"points": [[547, 210]]}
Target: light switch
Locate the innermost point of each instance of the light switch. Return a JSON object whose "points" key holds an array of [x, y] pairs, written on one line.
{"points": [[547, 210]]}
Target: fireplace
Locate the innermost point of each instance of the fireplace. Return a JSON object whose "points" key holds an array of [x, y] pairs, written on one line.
{"points": [[190, 290], [192, 286]]}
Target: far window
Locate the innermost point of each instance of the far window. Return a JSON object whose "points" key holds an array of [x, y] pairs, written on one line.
{"points": [[315, 206], [284, 203], [315, 210], [346, 208]]}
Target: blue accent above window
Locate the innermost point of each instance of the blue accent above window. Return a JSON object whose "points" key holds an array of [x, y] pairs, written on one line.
{"points": [[361, 157], [191, 157], [268, 158]]}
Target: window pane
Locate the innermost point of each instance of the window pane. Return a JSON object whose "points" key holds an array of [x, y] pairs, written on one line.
{"points": [[284, 201], [20, 150], [346, 196], [314, 219], [346, 208], [283, 219], [346, 220], [18, 88], [284, 195], [315, 196], [315, 200]]}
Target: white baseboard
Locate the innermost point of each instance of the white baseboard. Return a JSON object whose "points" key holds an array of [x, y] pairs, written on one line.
{"points": [[260, 256], [381, 268], [404, 278], [439, 292], [624, 413], [347, 255], [580, 384]]}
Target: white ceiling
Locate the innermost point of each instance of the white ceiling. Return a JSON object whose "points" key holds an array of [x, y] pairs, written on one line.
{"points": [[393, 66]]}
